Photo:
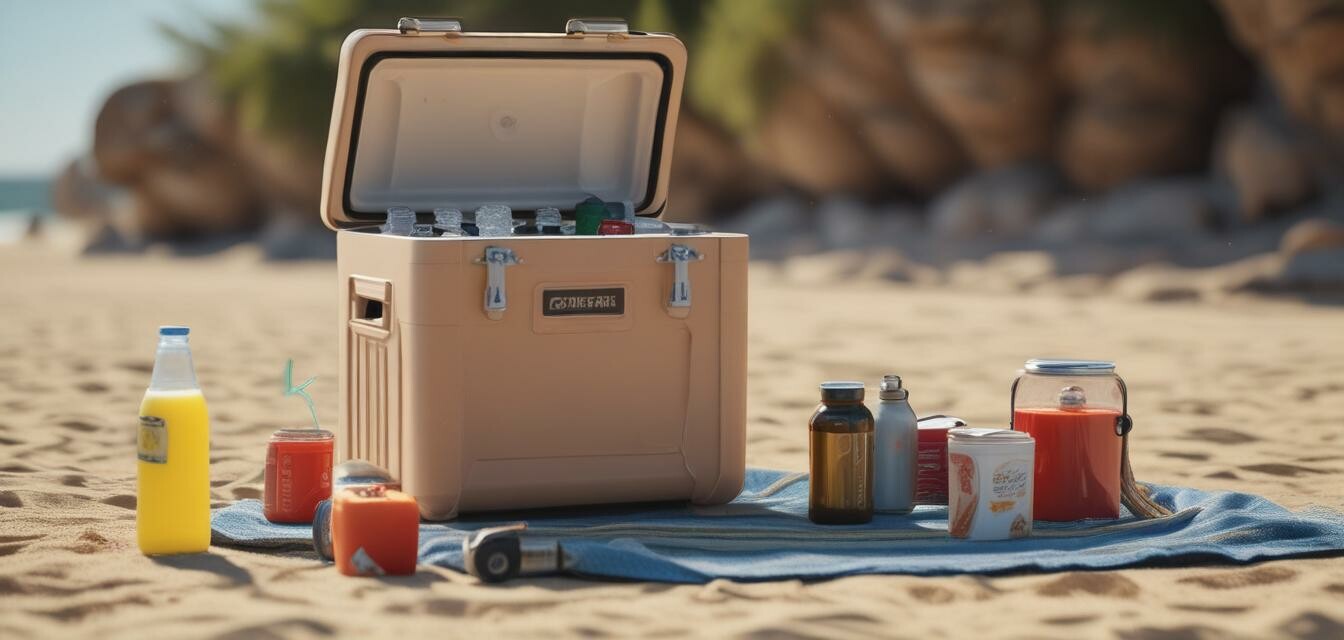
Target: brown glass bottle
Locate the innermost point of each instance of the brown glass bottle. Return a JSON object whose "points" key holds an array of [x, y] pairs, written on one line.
{"points": [[841, 456]]}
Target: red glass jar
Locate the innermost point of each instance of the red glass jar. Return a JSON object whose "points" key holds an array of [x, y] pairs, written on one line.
{"points": [[298, 474], [1076, 410]]}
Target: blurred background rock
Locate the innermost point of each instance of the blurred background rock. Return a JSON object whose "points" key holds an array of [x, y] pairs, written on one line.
{"points": [[1106, 134]]}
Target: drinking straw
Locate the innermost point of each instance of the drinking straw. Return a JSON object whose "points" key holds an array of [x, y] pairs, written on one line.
{"points": [[291, 390]]}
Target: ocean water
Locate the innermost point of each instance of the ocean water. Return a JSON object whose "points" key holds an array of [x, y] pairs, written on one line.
{"points": [[25, 196]]}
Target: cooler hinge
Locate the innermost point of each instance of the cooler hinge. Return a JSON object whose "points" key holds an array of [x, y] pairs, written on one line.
{"points": [[428, 26], [610, 27]]}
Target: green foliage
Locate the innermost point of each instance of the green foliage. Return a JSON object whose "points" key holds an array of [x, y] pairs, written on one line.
{"points": [[734, 59], [280, 72]]}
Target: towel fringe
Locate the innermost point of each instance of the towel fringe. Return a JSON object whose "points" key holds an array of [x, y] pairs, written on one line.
{"points": [[1133, 495]]}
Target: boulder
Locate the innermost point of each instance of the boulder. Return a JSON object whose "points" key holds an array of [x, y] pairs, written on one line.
{"points": [[1297, 42], [78, 194], [813, 145], [778, 226], [1005, 202], [710, 172], [1104, 146], [1268, 169], [1310, 235], [1307, 62], [1155, 210], [183, 184], [1321, 271], [860, 69], [977, 64], [1138, 100], [844, 223], [135, 130]]}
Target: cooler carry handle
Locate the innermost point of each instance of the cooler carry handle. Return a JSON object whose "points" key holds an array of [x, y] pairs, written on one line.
{"points": [[371, 303]]}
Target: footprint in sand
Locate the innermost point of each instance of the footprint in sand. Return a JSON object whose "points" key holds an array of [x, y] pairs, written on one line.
{"points": [[92, 387], [10, 499], [1238, 579], [1183, 632], [1199, 608], [1219, 435], [1064, 621], [140, 366], [79, 425], [1313, 624], [92, 542], [295, 627], [125, 501], [1195, 407], [1281, 469], [246, 492], [79, 612], [932, 594], [1183, 455], [1098, 584]]}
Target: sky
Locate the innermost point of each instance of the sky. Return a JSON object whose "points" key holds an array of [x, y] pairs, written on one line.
{"points": [[59, 59]]}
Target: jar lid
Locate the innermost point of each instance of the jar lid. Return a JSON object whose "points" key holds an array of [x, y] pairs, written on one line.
{"points": [[1062, 367], [841, 390], [980, 435], [305, 434]]}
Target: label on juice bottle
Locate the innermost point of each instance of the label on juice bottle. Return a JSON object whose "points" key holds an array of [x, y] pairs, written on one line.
{"points": [[153, 440]]}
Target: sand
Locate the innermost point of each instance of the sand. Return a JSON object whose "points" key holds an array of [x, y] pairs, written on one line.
{"points": [[1237, 393]]}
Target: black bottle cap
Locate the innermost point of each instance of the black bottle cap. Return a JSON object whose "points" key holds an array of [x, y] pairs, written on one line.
{"points": [[841, 391]]}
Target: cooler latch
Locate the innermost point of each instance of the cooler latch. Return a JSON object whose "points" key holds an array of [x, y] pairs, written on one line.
{"points": [[679, 301], [495, 260], [418, 26], [610, 27]]}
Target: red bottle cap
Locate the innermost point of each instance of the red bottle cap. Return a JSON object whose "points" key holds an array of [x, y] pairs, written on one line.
{"points": [[615, 228]]}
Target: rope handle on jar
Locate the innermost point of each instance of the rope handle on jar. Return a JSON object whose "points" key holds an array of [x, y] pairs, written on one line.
{"points": [[1132, 495]]}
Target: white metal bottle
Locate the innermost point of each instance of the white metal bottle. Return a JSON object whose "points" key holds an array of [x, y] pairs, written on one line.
{"points": [[896, 443]]}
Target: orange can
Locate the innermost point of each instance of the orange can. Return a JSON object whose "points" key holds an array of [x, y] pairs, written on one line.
{"points": [[375, 531]]}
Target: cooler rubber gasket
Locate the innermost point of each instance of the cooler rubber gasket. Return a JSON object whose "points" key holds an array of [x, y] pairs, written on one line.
{"points": [[660, 125]]}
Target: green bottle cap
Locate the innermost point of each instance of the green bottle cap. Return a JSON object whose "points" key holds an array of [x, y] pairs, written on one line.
{"points": [[588, 215]]}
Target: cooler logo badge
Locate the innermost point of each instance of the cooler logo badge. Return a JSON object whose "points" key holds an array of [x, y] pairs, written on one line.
{"points": [[152, 443], [583, 302]]}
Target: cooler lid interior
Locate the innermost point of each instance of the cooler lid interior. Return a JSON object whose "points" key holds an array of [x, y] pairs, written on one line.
{"points": [[529, 129]]}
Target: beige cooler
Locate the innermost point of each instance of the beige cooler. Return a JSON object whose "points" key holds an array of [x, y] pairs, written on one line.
{"points": [[528, 371]]}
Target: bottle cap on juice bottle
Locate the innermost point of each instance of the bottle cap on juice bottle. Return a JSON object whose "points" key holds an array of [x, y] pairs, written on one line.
{"points": [[174, 330], [891, 388]]}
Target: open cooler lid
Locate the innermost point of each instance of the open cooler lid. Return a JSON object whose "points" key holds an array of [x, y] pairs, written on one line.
{"points": [[428, 115]]}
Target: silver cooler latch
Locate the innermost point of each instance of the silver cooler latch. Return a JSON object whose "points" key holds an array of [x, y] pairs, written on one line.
{"points": [[495, 260], [680, 255]]}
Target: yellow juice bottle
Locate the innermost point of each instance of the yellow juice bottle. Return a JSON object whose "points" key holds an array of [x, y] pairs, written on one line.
{"points": [[172, 513]]}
